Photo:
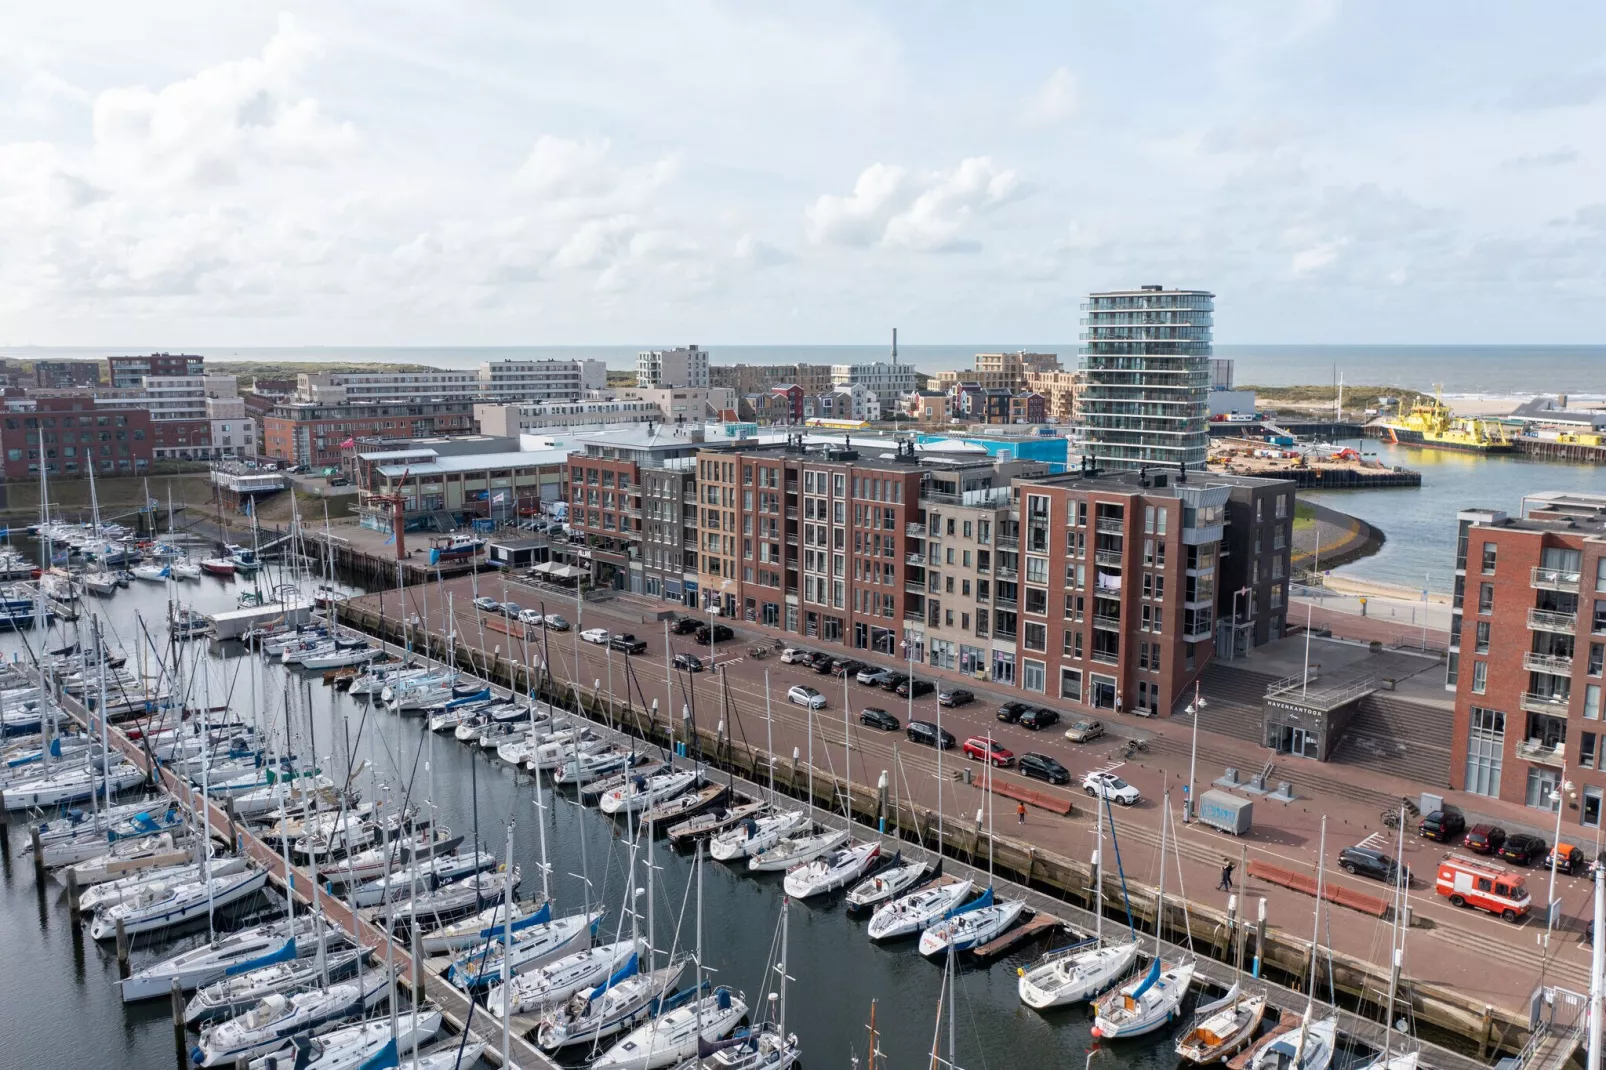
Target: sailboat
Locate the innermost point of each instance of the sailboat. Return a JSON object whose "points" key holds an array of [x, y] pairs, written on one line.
{"points": [[1146, 1003], [765, 1047], [976, 923], [891, 881], [1387, 1060], [808, 844], [541, 989], [1079, 972], [1311, 1046], [840, 866], [280, 1016], [911, 913]]}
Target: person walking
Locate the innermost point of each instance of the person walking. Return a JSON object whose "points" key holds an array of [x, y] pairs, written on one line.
{"points": [[1020, 813], [1227, 866]]}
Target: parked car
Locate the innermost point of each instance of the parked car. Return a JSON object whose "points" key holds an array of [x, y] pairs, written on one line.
{"points": [[1484, 839], [532, 616], [876, 717], [1042, 767], [689, 662], [627, 644], [822, 664], [556, 623], [1370, 862], [1010, 712], [814, 659], [1039, 717], [954, 696], [340, 481], [719, 635], [872, 675], [845, 666], [595, 635], [1084, 731], [490, 605], [1522, 848], [913, 685], [806, 696], [793, 655], [1441, 825], [1568, 859], [511, 609], [929, 734], [1110, 787], [893, 680], [684, 625], [982, 749]]}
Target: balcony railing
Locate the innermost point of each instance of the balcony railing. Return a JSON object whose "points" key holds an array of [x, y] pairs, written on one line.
{"points": [[916, 615], [914, 586], [914, 529], [1110, 526], [1007, 572], [1554, 664], [1553, 579], [1108, 557], [1009, 542], [1107, 657], [917, 560], [1108, 623], [1533, 702], [1532, 750], [1005, 603], [791, 512], [1546, 620]]}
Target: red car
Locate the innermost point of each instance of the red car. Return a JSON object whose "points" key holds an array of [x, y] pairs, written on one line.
{"points": [[983, 749]]}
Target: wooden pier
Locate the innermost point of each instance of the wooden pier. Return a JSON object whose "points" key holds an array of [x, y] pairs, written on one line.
{"points": [[1039, 924]]}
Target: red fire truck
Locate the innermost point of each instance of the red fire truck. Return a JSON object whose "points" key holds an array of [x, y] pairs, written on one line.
{"points": [[1473, 882]]}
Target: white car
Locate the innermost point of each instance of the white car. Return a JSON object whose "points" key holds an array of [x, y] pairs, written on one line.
{"points": [[595, 635], [792, 654], [531, 616], [1111, 787], [806, 696]]}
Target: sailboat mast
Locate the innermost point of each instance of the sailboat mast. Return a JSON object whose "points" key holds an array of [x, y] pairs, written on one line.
{"points": [[699, 938], [1396, 948], [1159, 901], [507, 946], [769, 735], [540, 828], [1098, 880]]}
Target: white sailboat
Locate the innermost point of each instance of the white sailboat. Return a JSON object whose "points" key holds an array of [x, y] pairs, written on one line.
{"points": [[981, 921], [644, 792], [886, 885], [766, 1046], [280, 1016], [754, 834], [911, 913], [239, 993], [830, 871], [1148, 1002], [541, 989], [1311, 1046], [1078, 973]]}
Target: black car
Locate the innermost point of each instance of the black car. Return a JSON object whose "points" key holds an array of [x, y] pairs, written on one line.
{"points": [[876, 717], [1523, 849], [1368, 862], [627, 644], [845, 667], [684, 625], [929, 734], [893, 681], [1010, 712], [689, 662], [1442, 825], [720, 633], [1043, 767], [511, 609], [822, 664], [915, 687], [1039, 717], [954, 696]]}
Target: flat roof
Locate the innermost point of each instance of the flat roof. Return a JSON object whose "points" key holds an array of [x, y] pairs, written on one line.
{"points": [[478, 462]]}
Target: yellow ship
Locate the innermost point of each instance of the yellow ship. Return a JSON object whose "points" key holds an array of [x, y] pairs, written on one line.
{"points": [[1433, 425]]}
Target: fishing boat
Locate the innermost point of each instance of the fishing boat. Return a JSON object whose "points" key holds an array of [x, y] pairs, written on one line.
{"points": [[238, 994], [643, 792], [542, 988], [1431, 424], [159, 906], [1088, 969], [830, 871], [1220, 1028], [455, 548], [886, 884], [280, 1016]]}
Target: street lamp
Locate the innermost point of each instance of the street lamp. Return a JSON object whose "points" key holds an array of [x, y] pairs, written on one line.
{"points": [[1564, 787], [1190, 808]]}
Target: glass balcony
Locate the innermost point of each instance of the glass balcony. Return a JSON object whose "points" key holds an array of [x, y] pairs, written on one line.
{"points": [[1533, 750], [1546, 620], [1555, 664], [1111, 526], [1534, 702], [1553, 579]]}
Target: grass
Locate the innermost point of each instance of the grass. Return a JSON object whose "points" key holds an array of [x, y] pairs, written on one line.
{"points": [[1355, 397], [1304, 516]]}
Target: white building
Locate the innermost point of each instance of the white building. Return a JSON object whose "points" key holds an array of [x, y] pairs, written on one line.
{"points": [[682, 366], [857, 402], [511, 420], [888, 382], [685, 405], [541, 380], [234, 434], [335, 388]]}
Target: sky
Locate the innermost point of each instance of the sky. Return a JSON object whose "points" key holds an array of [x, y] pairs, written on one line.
{"points": [[191, 173]]}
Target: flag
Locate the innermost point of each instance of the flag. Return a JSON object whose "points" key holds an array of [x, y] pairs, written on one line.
{"points": [[247, 509], [391, 539], [349, 443]]}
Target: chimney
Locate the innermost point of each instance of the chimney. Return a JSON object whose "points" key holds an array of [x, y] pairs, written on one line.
{"points": [[894, 345]]}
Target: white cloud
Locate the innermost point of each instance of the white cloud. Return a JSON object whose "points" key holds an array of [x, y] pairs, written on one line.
{"points": [[1315, 258], [1056, 100], [760, 254], [931, 212]]}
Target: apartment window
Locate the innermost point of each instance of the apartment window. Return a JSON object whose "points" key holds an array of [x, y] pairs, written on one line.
{"points": [[1592, 702], [1598, 624], [1488, 558], [1597, 659], [1036, 637], [1586, 750], [1070, 607], [1037, 601], [1590, 817], [1483, 638], [1033, 675], [1036, 570], [1486, 742], [1542, 789], [1071, 684], [1600, 575], [1480, 676], [1486, 598]]}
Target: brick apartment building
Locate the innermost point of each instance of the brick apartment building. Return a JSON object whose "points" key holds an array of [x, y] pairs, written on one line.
{"points": [[125, 373], [1527, 654], [69, 433], [311, 433], [65, 374]]}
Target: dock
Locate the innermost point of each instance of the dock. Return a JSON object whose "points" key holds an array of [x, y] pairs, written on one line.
{"points": [[1037, 925]]}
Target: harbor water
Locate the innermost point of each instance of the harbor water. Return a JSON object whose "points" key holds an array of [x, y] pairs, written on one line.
{"points": [[58, 987]]}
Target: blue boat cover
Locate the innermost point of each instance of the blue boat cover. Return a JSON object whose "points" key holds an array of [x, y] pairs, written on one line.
{"points": [[1148, 981], [287, 953], [628, 970], [985, 899]]}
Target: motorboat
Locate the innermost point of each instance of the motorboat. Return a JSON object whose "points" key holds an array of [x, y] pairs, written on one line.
{"points": [[911, 913], [160, 906], [673, 1036], [535, 946], [755, 834], [795, 850], [972, 925], [541, 989], [1146, 1003], [1221, 1027], [280, 1016], [238, 994], [643, 792], [218, 566], [832, 870], [891, 881]]}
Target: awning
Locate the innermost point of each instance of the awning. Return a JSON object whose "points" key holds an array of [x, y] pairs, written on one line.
{"points": [[547, 566], [569, 572]]}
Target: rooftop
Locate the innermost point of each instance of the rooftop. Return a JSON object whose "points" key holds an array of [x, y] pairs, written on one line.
{"points": [[478, 462]]}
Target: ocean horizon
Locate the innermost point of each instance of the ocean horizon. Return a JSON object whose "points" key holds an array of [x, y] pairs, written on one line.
{"points": [[1576, 370]]}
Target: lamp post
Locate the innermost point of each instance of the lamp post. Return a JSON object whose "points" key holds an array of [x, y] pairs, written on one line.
{"points": [[1191, 807], [1563, 787]]}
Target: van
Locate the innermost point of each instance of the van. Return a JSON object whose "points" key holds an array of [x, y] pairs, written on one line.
{"points": [[1471, 882]]}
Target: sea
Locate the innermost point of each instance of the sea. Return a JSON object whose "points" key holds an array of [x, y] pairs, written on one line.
{"points": [[1579, 371]]}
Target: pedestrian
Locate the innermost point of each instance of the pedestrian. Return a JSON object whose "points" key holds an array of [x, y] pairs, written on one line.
{"points": [[1226, 876], [1020, 813]]}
